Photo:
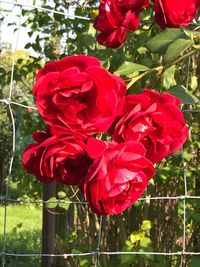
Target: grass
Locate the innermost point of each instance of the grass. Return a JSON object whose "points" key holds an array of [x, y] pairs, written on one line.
{"points": [[24, 217], [23, 233]]}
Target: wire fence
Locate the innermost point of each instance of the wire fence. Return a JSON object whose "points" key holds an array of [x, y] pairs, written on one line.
{"points": [[5, 199]]}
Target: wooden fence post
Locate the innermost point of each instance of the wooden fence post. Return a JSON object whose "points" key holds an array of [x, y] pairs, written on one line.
{"points": [[48, 226]]}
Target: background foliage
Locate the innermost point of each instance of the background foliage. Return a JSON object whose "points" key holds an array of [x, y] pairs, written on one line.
{"points": [[150, 58]]}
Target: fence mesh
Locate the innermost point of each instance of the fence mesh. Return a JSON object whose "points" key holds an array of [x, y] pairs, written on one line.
{"points": [[5, 200]]}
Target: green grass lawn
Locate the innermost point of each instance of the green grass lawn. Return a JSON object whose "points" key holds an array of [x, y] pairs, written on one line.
{"points": [[23, 233]]}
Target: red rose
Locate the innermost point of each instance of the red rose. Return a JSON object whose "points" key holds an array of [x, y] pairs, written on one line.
{"points": [[77, 93], [113, 22], [155, 120], [135, 5], [117, 177], [56, 158], [175, 13]]}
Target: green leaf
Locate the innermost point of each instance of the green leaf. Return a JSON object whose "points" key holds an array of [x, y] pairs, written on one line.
{"points": [[137, 236], [132, 75], [176, 48], [194, 262], [91, 30], [61, 194], [183, 94], [19, 225], [145, 242], [64, 204], [147, 256], [191, 34], [180, 209], [187, 156], [84, 263], [146, 225], [27, 46], [51, 203], [194, 82], [128, 243], [88, 39], [127, 259], [160, 42], [168, 77], [128, 68], [195, 217], [142, 50], [106, 64]]}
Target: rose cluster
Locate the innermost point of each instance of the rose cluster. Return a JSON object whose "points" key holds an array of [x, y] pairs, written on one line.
{"points": [[79, 100], [117, 17]]}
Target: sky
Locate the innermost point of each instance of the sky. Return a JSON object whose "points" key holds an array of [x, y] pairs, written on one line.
{"points": [[11, 14], [7, 33]]}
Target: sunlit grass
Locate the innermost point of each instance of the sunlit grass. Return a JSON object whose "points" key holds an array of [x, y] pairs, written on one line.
{"points": [[23, 233], [24, 217]]}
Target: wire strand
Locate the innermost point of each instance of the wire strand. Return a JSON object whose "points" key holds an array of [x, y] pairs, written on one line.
{"points": [[5, 200], [11, 200], [178, 253], [13, 138], [70, 16]]}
